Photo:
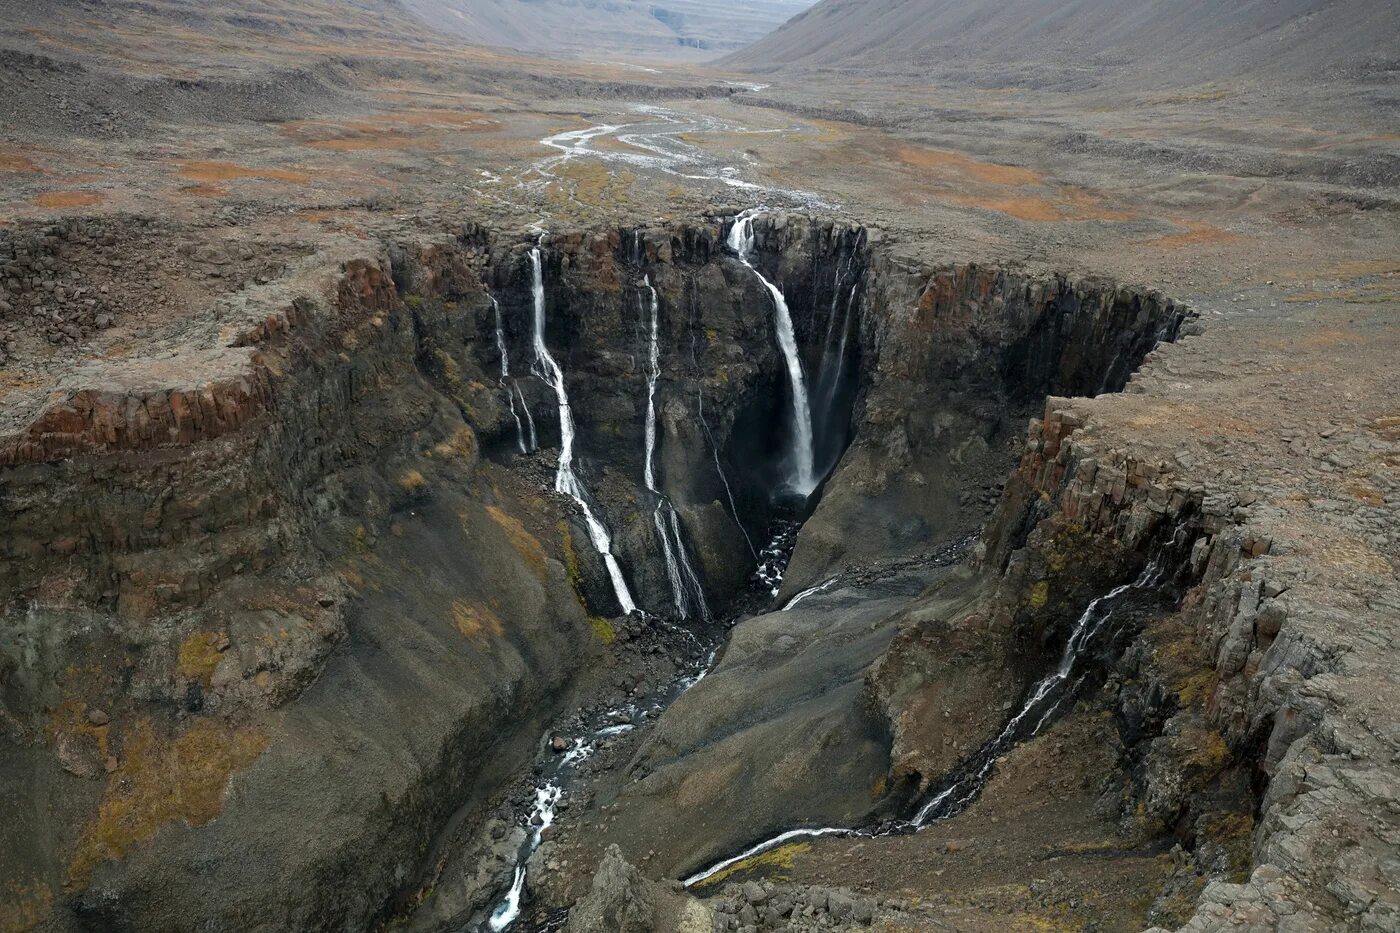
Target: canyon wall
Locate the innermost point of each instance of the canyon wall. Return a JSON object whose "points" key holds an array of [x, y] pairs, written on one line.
{"points": [[323, 580]]}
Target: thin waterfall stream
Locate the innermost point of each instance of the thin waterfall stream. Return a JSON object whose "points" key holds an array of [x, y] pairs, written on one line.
{"points": [[565, 479], [686, 589], [514, 387], [1045, 699], [804, 478]]}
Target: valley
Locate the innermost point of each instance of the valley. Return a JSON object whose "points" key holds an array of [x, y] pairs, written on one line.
{"points": [[448, 489]]}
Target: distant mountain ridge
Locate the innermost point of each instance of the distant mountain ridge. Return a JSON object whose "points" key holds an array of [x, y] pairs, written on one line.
{"points": [[1075, 41], [599, 29]]}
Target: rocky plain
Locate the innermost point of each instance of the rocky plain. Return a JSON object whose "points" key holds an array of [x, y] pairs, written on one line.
{"points": [[1010, 523]]}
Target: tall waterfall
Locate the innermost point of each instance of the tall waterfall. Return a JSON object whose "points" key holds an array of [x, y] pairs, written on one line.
{"points": [[685, 584], [804, 479], [511, 393], [565, 480]]}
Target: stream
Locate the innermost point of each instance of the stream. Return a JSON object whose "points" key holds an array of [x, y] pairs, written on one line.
{"points": [[1049, 695], [559, 772]]}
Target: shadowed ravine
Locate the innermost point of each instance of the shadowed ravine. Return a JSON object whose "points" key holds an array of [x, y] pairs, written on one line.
{"points": [[761, 440]]}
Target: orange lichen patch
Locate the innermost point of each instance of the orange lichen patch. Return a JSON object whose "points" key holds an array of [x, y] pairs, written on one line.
{"points": [[356, 135], [203, 191], [1023, 208], [68, 199], [199, 655], [462, 444], [989, 172], [1196, 233], [1360, 267], [9, 162], [160, 782], [526, 544], [24, 906], [1365, 492], [213, 172], [476, 620]]}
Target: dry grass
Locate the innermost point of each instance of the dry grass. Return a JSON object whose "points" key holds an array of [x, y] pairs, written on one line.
{"points": [[203, 191], [213, 172], [420, 128], [162, 781], [1361, 267], [944, 162], [198, 657], [525, 544], [475, 620], [1197, 233], [781, 857], [60, 199]]}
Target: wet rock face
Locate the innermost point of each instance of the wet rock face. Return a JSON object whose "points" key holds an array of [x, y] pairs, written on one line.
{"points": [[723, 434], [965, 355]]}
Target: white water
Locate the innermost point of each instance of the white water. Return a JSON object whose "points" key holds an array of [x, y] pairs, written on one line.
{"points": [[685, 585], [551, 791], [546, 802], [510, 395], [810, 591], [529, 418], [804, 479], [653, 373], [673, 573], [565, 480], [764, 846], [1088, 624]]}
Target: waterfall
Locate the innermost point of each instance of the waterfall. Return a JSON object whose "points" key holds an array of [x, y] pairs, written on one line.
{"points": [[685, 584], [741, 240], [565, 480], [541, 818], [1052, 686], [653, 373], [529, 418], [510, 395]]}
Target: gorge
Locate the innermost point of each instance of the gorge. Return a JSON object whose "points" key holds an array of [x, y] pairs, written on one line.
{"points": [[666, 394]]}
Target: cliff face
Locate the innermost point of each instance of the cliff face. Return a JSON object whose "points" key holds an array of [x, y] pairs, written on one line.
{"points": [[320, 580], [329, 580], [820, 716], [1247, 685], [300, 591]]}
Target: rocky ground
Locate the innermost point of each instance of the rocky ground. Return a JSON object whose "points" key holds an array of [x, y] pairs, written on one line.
{"points": [[258, 508]]}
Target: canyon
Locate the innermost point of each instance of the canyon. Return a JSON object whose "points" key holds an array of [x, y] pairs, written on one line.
{"points": [[442, 490]]}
